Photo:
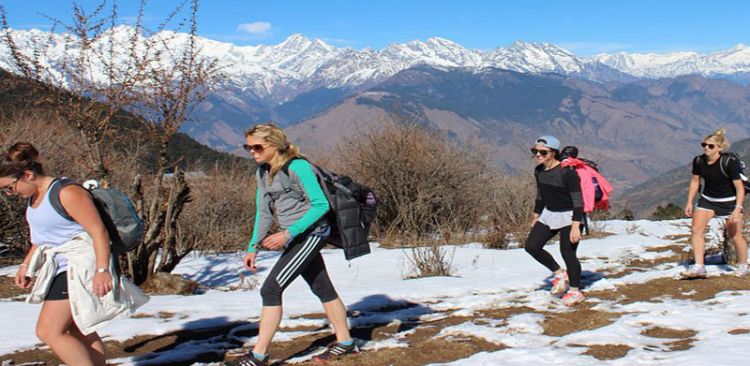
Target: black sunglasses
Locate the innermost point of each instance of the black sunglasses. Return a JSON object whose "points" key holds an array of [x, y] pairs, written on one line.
{"points": [[257, 148], [10, 188], [540, 152], [710, 146]]}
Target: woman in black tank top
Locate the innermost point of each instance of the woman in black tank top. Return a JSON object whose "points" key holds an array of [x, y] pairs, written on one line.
{"points": [[721, 195]]}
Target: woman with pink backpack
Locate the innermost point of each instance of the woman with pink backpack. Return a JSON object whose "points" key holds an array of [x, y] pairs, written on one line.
{"points": [[558, 208]]}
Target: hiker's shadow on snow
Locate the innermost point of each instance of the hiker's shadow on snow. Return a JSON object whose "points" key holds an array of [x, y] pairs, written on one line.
{"points": [[368, 316], [587, 279], [197, 334], [210, 277]]}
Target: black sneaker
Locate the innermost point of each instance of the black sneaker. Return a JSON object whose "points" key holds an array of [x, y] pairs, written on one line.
{"points": [[248, 360], [334, 351]]}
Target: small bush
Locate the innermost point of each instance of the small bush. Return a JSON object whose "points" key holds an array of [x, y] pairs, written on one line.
{"points": [[669, 211], [626, 214], [220, 216], [425, 183], [509, 206], [428, 261]]}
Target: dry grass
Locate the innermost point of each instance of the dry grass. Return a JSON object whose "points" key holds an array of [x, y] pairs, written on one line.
{"points": [[583, 318], [697, 290], [606, 351], [8, 288], [662, 332]]}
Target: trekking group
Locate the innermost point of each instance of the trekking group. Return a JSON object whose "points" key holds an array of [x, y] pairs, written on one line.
{"points": [[81, 290]]}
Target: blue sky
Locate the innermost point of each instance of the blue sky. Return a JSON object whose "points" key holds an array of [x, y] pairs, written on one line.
{"points": [[584, 27]]}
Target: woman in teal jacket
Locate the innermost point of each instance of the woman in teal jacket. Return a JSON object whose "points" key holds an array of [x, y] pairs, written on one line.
{"points": [[301, 215]]}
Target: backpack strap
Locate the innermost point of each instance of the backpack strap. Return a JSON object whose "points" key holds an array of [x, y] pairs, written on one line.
{"points": [[54, 196], [725, 158], [724, 164], [290, 188]]}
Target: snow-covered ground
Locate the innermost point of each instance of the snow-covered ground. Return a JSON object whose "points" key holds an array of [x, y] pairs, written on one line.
{"points": [[483, 279]]}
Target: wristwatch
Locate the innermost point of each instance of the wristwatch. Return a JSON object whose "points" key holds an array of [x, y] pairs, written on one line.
{"points": [[102, 270]]}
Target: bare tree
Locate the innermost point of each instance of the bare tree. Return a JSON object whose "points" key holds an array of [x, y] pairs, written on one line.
{"points": [[176, 80], [157, 77], [87, 86]]}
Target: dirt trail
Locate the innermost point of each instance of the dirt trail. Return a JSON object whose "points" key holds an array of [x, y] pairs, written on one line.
{"points": [[420, 335]]}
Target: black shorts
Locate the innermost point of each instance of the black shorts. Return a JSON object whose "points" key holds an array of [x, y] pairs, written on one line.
{"points": [[721, 209], [58, 290]]}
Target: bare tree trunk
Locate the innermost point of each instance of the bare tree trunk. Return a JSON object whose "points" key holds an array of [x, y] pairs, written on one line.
{"points": [[179, 195]]}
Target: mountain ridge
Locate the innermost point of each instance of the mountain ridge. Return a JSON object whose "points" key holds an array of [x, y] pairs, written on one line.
{"points": [[276, 73]]}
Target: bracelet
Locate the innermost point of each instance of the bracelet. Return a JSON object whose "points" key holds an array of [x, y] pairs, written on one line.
{"points": [[738, 206], [287, 234], [102, 270], [23, 265]]}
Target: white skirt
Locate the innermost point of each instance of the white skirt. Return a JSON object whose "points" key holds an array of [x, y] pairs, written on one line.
{"points": [[556, 220]]}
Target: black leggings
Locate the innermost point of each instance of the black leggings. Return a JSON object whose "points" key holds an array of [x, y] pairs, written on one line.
{"points": [[302, 256], [540, 234]]}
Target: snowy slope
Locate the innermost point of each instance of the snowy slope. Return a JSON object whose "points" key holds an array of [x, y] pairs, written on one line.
{"points": [[484, 279]]}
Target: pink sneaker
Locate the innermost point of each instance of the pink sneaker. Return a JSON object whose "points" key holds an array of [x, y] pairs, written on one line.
{"points": [[573, 297], [559, 284]]}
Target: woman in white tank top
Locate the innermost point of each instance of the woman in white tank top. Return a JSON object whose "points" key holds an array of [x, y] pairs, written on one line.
{"points": [[22, 174]]}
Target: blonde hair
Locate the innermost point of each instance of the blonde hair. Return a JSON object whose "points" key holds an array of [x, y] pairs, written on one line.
{"points": [[275, 136], [719, 138]]}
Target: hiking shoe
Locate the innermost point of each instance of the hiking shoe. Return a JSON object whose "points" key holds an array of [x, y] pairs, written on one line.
{"points": [[695, 272], [742, 270], [573, 297], [334, 351], [248, 360], [559, 284]]}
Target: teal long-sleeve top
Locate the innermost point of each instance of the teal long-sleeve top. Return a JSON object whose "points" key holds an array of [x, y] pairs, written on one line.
{"points": [[294, 214]]}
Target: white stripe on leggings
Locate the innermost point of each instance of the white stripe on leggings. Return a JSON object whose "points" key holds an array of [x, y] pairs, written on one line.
{"points": [[297, 261], [296, 256]]}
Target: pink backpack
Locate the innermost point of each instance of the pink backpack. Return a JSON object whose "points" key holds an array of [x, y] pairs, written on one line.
{"points": [[594, 187]]}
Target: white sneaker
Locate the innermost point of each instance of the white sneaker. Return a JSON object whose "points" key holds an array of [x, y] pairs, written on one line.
{"points": [[695, 272], [573, 297], [742, 270], [560, 283]]}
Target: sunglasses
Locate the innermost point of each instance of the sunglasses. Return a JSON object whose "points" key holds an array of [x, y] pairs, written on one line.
{"points": [[540, 152], [10, 188], [258, 148], [710, 146]]}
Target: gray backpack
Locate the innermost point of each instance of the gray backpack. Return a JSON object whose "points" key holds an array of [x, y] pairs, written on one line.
{"points": [[123, 225]]}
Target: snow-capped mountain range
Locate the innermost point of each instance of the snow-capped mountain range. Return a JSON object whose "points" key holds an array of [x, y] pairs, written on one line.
{"points": [[735, 60], [275, 73]]}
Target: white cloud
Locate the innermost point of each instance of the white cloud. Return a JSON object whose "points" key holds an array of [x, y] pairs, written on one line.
{"points": [[255, 28]]}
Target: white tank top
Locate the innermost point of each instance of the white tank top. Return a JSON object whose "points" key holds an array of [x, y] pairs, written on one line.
{"points": [[49, 228]]}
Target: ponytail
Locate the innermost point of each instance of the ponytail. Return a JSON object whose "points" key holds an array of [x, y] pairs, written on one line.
{"points": [[719, 138], [21, 157]]}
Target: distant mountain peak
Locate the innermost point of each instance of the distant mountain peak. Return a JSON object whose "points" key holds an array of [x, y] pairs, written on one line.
{"points": [[299, 63]]}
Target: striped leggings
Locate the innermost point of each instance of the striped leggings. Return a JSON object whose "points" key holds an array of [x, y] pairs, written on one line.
{"points": [[301, 256]]}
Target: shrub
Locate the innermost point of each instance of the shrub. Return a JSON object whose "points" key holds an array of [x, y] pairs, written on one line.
{"points": [[425, 183], [431, 260], [509, 206], [669, 211], [219, 218]]}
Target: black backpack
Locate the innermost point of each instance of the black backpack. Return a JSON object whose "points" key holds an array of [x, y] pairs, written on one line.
{"points": [[118, 214], [353, 207]]}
